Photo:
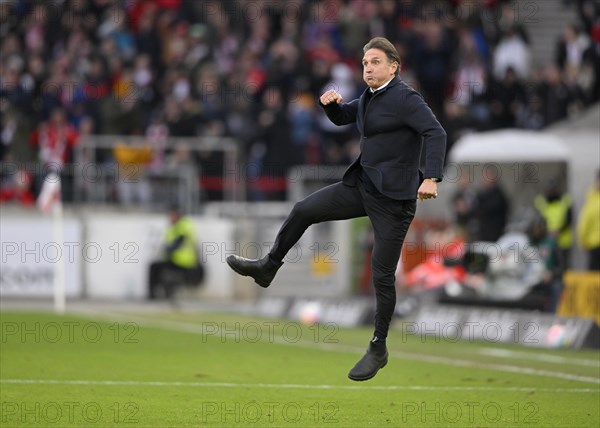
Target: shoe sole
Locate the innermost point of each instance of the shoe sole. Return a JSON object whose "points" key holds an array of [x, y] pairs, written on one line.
{"points": [[236, 270], [361, 379]]}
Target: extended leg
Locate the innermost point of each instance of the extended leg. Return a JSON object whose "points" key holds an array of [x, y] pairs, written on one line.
{"points": [[390, 220], [390, 225], [334, 202]]}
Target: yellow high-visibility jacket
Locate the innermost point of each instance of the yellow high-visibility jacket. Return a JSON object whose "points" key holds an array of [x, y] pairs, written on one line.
{"points": [[185, 255], [555, 213], [588, 226]]}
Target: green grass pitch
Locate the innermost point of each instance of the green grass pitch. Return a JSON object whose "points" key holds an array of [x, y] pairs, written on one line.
{"points": [[170, 369]]}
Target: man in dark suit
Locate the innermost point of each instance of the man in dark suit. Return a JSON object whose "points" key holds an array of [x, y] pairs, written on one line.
{"points": [[383, 183]]}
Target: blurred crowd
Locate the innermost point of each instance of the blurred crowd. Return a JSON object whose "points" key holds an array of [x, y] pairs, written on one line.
{"points": [[254, 69]]}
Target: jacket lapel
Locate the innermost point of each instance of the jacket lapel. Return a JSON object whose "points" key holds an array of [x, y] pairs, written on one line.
{"points": [[360, 117]]}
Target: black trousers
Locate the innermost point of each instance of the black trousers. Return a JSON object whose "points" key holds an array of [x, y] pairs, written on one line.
{"points": [[594, 259], [390, 219], [164, 278]]}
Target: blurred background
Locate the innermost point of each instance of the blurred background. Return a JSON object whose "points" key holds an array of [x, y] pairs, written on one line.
{"points": [[153, 111]]}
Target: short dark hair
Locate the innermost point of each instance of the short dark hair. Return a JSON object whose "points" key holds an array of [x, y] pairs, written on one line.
{"points": [[386, 46]]}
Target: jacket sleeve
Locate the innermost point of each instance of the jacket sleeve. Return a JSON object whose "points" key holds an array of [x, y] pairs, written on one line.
{"points": [[341, 114], [417, 115], [172, 246]]}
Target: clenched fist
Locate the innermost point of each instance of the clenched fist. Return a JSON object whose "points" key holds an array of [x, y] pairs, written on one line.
{"points": [[331, 96]]}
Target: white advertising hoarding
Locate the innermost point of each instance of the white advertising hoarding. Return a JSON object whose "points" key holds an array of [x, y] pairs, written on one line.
{"points": [[30, 254], [105, 255], [126, 245]]}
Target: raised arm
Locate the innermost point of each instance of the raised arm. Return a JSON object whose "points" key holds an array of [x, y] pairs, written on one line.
{"points": [[336, 110]]}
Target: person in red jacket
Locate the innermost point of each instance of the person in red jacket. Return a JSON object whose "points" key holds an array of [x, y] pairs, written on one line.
{"points": [[55, 140], [17, 188]]}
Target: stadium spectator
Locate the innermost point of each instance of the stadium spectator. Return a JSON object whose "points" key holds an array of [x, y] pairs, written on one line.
{"points": [[15, 130], [356, 17], [556, 207], [122, 62], [335, 137], [531, 116], [442, 264], [470, 81], [577, 56], [506, 100], [148, 39], [17, 188], [157, 135], [464, 203], [133, 186], [272, 151], [491, 207], [431, 56], [589, 12], [121, 113], [588, 226], [546, 254], [303, 130], [55, 140], [555, 96], [571, 47], [512, 52]]}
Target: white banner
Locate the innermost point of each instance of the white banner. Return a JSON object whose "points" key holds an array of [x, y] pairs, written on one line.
{"points": [[122, 247], [30, 253]]}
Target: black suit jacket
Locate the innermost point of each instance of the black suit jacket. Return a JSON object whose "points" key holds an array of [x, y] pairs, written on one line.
{"points": [[393, 123]]}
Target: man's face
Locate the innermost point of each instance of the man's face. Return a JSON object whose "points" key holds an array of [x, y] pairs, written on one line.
{"points": [[377, 69], [174, 216]]}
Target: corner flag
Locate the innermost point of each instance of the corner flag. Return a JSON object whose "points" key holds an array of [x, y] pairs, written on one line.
{"points": [[49, 201]]}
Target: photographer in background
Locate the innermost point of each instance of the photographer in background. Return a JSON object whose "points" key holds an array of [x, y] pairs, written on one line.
{"points": [[181, 263], [556, 207]]}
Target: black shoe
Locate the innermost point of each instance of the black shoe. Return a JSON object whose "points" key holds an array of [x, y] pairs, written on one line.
{"points": [[263, 270], [376, 358]]}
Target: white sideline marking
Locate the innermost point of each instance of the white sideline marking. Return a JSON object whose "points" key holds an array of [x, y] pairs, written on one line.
{"points": [[290, 385], [507, 353], [412, 356], [499, 367]]}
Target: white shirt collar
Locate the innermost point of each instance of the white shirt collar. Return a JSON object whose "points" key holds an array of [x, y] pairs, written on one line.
{"points": [[382, 86]]}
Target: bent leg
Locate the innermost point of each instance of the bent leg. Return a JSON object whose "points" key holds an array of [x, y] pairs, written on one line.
{"points": [[335, 202]]}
